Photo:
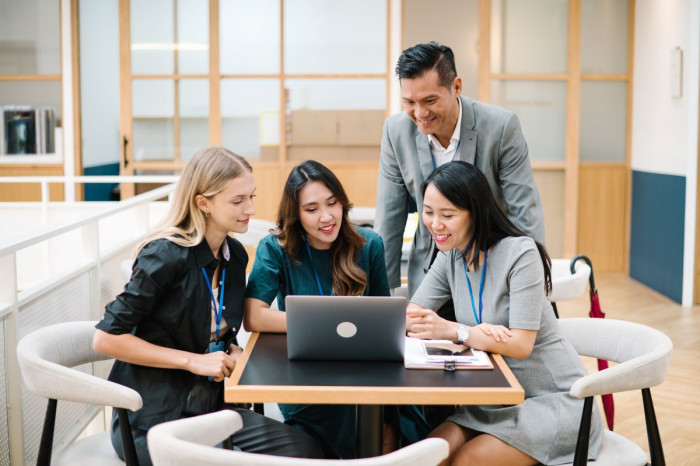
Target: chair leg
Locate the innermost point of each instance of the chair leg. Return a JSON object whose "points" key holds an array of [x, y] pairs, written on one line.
{"points": [[46, 444], [656, 451], [584, 432], [127, 439], [259, 408]]}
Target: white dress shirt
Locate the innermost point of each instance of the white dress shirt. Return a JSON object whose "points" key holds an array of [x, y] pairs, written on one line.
{"points": [[443, 155]]}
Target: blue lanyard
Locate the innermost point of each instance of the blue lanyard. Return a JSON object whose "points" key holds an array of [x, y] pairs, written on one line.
{"points": [[432, 157], [218, 312], [481, 287], [318, 282]]}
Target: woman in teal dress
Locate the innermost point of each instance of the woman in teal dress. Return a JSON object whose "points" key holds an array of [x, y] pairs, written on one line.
{"points": [[315, 250]]}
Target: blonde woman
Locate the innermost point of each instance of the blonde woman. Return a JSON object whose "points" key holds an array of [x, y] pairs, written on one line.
{"points": [[173, 328], [317, 251]]}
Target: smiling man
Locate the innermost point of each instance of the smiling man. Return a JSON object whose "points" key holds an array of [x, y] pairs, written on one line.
{"points": [[440, 125]]}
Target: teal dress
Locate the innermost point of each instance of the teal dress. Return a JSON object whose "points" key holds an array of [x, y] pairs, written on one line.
{"points": [[274, 275]]}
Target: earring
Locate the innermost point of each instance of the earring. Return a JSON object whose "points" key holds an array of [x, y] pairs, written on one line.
{"points": [[207, 214]]}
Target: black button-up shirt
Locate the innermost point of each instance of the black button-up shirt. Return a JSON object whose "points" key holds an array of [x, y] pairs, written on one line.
{"points": [[167, 303]]}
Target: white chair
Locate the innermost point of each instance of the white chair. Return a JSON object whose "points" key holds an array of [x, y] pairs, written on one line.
{"points": [[644, 355], [363, 216], [567, 285], [47, 357], [188, 441]]}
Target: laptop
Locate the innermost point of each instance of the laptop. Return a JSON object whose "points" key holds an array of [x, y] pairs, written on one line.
{"points": [[364, 328]]}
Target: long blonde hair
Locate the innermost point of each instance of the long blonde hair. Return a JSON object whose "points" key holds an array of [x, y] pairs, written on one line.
{"points": [[207, 173]]}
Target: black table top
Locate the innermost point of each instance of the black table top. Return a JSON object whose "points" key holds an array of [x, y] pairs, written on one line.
{"points": [[268, 365]]}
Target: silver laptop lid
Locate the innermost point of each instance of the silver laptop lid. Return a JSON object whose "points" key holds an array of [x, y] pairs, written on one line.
{"points": [[370, 328]]}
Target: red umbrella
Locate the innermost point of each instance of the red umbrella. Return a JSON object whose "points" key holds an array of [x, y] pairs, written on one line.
{"points": [[596, 312]]}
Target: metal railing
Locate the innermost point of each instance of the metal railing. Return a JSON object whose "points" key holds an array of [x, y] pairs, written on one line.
{"points": [[61, 272]]}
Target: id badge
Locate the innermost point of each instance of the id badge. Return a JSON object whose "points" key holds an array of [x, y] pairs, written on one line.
{"points": [[216, 346], [213, 347]]}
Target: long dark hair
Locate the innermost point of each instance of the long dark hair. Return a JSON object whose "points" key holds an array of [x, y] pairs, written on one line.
{"points": [[467, 188], [348, 278]]}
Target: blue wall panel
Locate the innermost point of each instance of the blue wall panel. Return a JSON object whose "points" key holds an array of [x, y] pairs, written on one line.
{"points": [[657, 231], [100, 191]]}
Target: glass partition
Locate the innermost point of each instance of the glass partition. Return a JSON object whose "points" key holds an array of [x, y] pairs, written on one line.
{"points": [[250, 36], [529, 37], [30, 37], [172, 116], [152, 37], [459, 30], [31, 93], [335, 119], [342, 36], [250, 123], [541, 108], [153, 106], [192, 37], [193, 100], [604, 36], [603, 121], [30, 114], [336, 93]]}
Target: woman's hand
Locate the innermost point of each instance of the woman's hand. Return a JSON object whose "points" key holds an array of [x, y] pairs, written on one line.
{"points": [[499, 333], [132, 349], [258, 317], [235, 351], [426, 324], [217, 365]]}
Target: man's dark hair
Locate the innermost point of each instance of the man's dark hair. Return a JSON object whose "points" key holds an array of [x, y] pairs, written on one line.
{"points": [[416, 60]]}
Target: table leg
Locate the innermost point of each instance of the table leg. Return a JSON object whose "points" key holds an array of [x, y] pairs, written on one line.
{"points": [[370, 430]]}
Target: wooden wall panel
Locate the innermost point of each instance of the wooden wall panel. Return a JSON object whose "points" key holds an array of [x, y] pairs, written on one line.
{"points": [[602, 196], [29, 192], [550, 184], [269, 184], [359, 181]]}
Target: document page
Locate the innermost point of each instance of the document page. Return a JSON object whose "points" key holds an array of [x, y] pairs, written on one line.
{"points": [[432, 354]]}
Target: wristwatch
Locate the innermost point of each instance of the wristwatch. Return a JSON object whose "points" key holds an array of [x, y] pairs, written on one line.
{"points": [[462, 334]]}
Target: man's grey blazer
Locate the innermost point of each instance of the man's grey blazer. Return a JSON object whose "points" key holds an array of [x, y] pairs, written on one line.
{"points": [[492, 140]]}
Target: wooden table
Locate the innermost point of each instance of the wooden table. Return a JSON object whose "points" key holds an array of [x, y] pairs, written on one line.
{"points": [[264, 374]]}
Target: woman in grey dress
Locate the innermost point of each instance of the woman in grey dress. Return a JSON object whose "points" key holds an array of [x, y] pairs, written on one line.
{"points": [[498, 279]]}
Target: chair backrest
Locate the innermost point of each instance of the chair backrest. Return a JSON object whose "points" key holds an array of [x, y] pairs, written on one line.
{"points": [[46, 357], [565, 285], [188, 441], [645, 354]]}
